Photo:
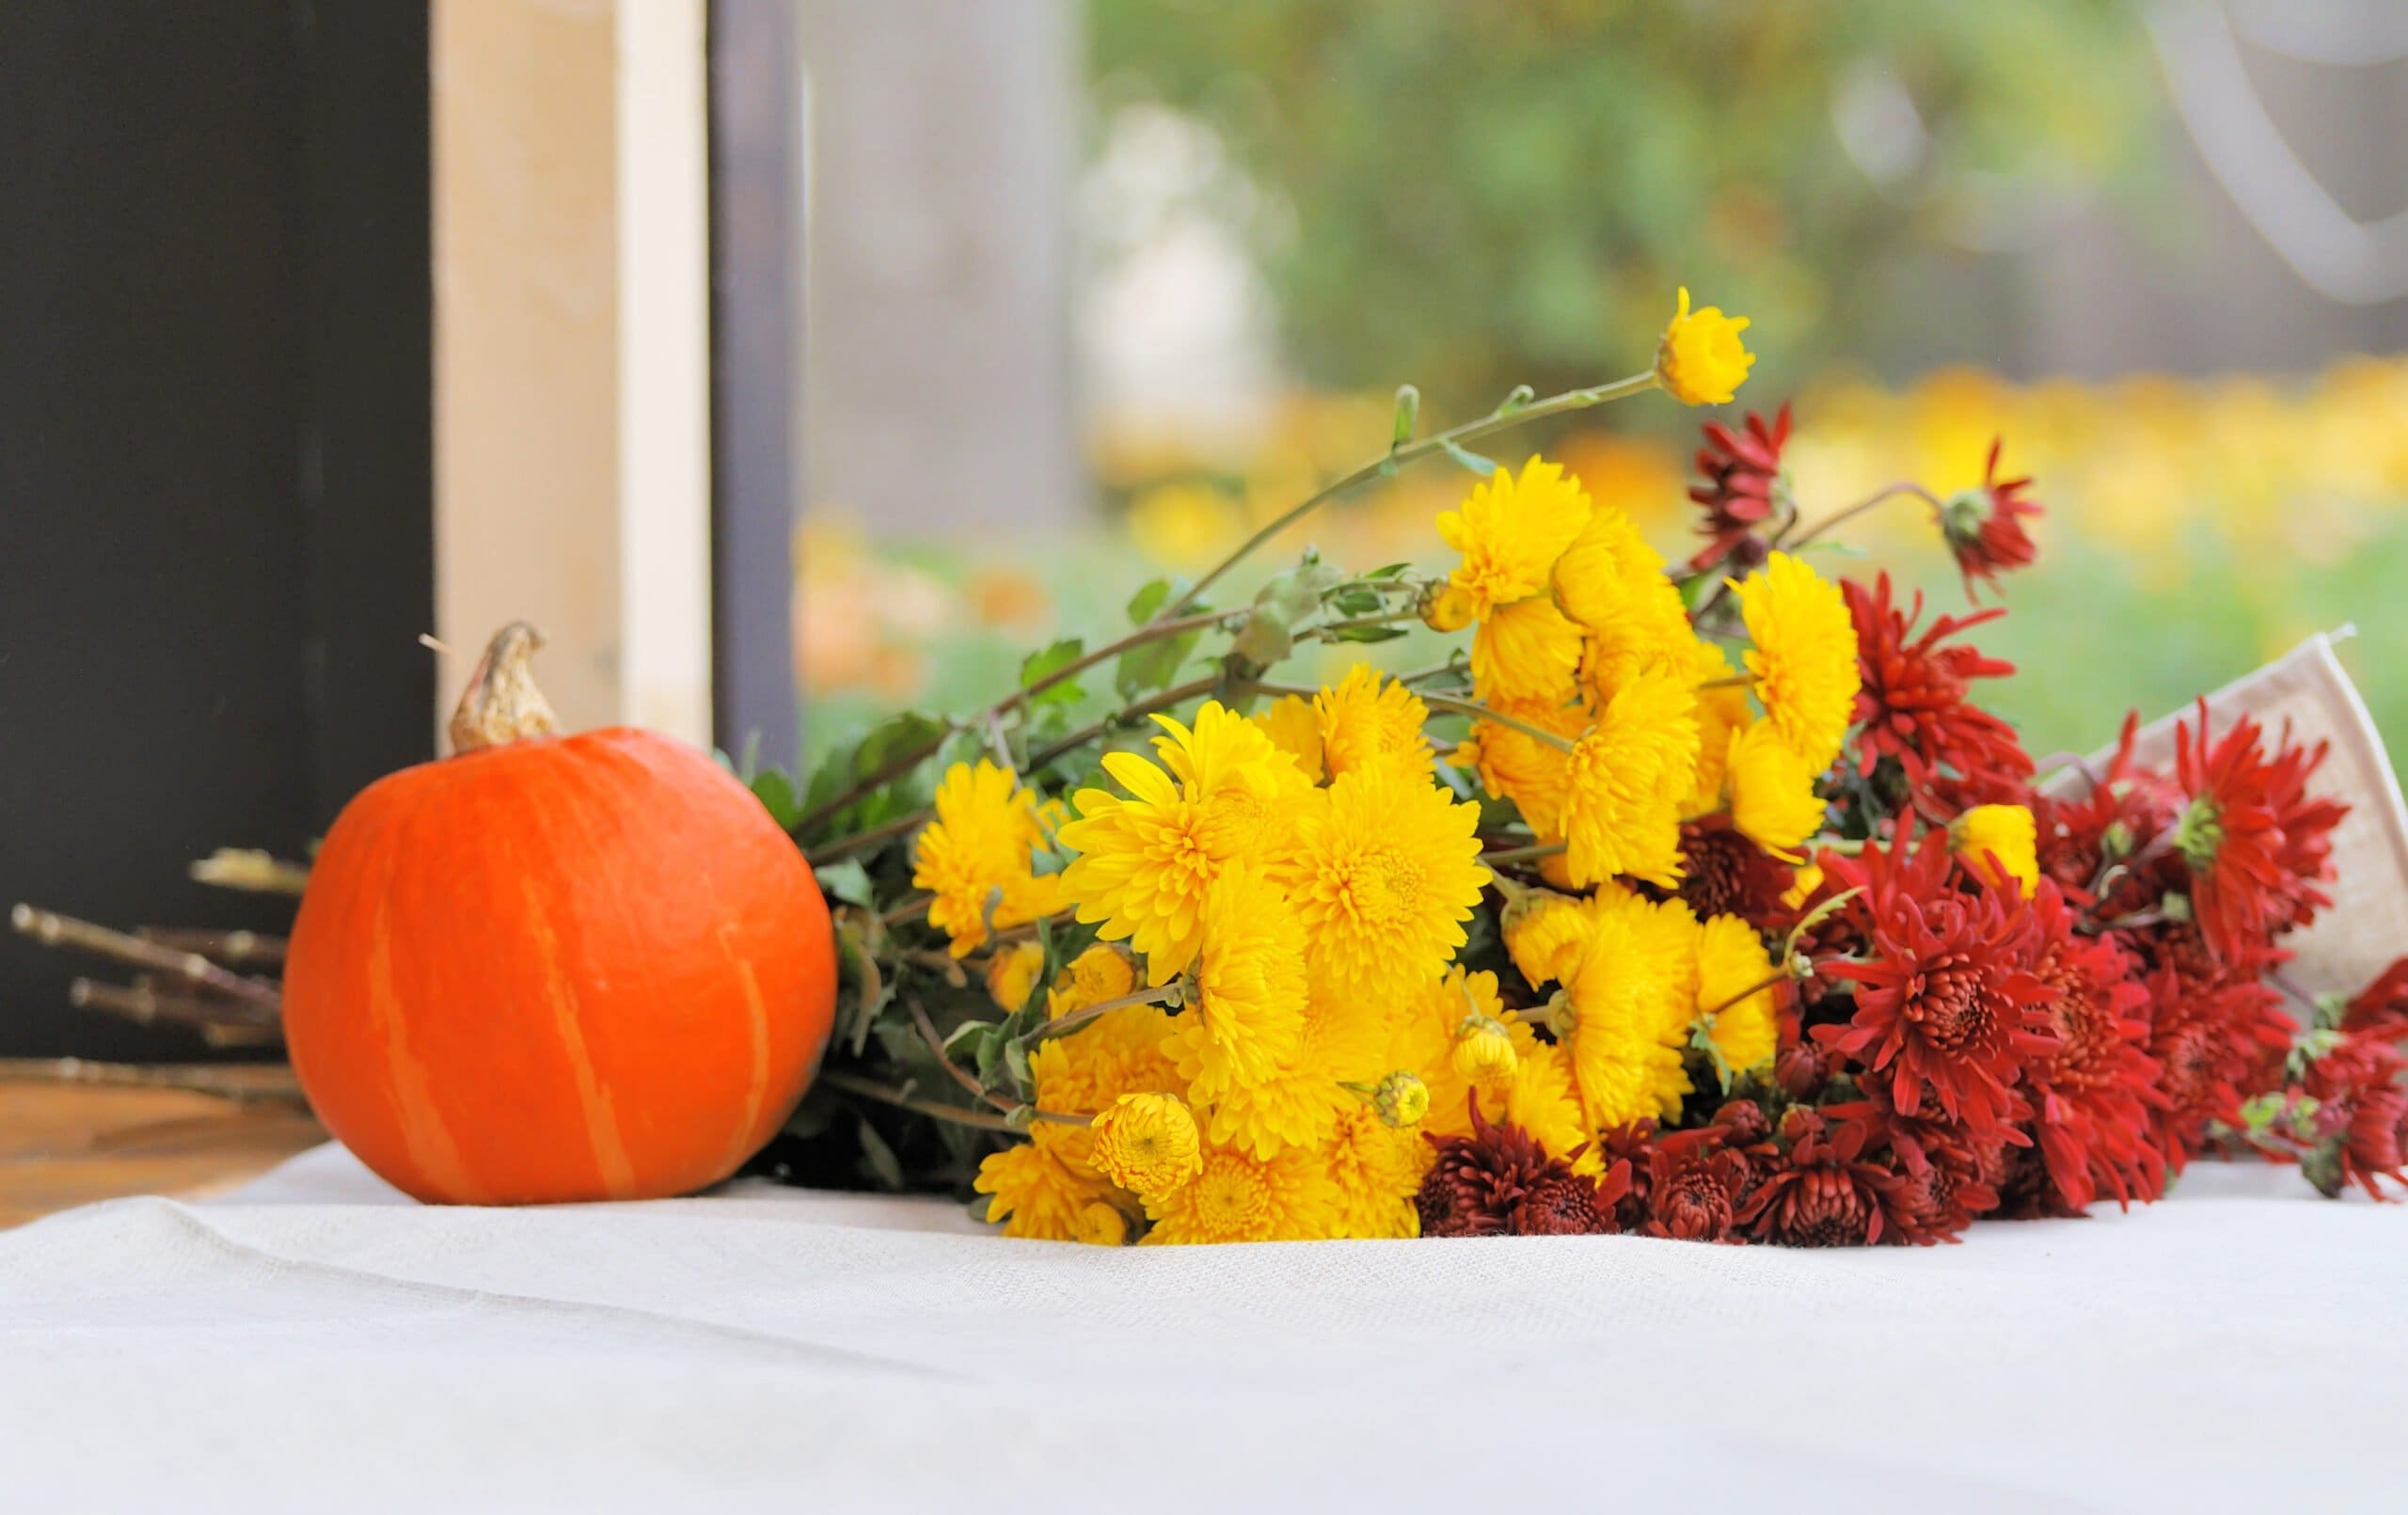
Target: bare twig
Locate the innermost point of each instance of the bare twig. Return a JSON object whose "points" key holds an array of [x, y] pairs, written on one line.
{"points": [[53, 930], [230, 947], [241, 1081], [251, 871]]}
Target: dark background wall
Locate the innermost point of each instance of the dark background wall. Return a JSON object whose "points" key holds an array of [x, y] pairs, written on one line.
{"points": [[215, 548]]}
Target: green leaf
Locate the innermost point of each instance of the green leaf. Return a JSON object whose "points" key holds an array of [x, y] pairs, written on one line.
{"points": [[1047, 661], [1151, 666], [847, 880], [1148, 600], [1366, 633], [1355, 602], [774, 789], [879, 1162], [1473, 461], [1408, 415], [1390, 570], [1521, 396]]}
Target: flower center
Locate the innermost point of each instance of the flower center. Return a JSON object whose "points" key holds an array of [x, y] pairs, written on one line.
{"points": [[1954, 1009], [2199, 833]]}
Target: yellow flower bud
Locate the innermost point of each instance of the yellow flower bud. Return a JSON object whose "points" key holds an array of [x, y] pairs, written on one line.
{"points": [[1446, 606], [2005, 832], [1701, 362], [1802, 885], [1401, 1099], [1103, 971], [1483, 1050], [1147, 1143], [1100, 1225], [1012, 975]]}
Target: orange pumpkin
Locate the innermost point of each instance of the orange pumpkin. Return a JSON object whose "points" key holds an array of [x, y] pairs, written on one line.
{"points": [[556, 968]]}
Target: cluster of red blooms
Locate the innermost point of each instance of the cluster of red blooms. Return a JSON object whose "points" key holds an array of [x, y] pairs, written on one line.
{"points": [[1967, 1045]]}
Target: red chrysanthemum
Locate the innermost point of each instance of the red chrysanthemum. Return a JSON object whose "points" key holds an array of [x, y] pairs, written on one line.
{"points": [[1725, 874], [2361, 1116], [1983, 525], [1744, 488], [1696, 1187], [1941, 1177], [2092, 1093], [1498, 1182], [2214, 1047], [2250, 877], [1913, 707], [1629, 1152], [1947, 1003], [2380, 1012], [1820, 1191]]}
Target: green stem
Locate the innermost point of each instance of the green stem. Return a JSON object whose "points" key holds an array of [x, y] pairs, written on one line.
{"points": [[896, 767], [1499, 419], [1878, 496], [1528, 854], [1063, 1025], [889, 1095], [1443, 702]]}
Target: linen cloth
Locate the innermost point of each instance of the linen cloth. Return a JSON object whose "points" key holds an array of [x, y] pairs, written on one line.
{"points": [[318, 1343]]}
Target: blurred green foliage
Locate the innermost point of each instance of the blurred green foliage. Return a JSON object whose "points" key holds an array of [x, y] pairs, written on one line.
{"points": [[1473, 194]]}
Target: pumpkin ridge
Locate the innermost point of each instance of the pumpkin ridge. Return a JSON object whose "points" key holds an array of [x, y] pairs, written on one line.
{"points": [[424, 1133], [601, 1117]]}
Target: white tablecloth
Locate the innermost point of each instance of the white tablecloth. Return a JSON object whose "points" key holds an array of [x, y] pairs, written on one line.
{"points": [[317, 1343]]}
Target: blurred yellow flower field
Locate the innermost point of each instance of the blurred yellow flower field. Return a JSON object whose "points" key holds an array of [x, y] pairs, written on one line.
{"points": [[2280, 508]]}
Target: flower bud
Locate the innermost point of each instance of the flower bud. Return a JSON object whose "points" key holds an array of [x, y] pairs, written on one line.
{"points": [[1012, 975], [1446, 606], [1100, 1225], [1483, 1050], [1401, 1099], [1562, 1016]]}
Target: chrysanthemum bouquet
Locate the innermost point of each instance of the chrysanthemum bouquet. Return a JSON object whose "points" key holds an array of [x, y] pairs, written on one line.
{"points": [[1700, 901]]}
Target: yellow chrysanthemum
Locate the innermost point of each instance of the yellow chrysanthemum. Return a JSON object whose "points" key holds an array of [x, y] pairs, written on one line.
{"points": [[1543, 1099], [1512, 764], [1773, 802], [1364, 718], [1248, 1014], [974, 858], [1038, 1193], [1545, 933], [1622, 807], [1422, 1040], [1385, 871], [1613, 583], [1631, 1003], [1146, 864], [1527, 651], [1300, 1100], [1102, 1224], [2004, 832], [1700, 360], [1375, 1170], [1011, 976], [1721, 712], [1123, 1053], [1240, 1197], [1666, 933], [1510, 531], [1147, 1143], [1294, 728], [1732, 960], [1804, 657]]}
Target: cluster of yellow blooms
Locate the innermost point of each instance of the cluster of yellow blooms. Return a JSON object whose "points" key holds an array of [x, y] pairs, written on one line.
{"points": [[1272, 1018]]}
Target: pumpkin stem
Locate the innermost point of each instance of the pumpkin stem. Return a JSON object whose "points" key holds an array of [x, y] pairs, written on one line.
{"points": [[501, 703]]}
